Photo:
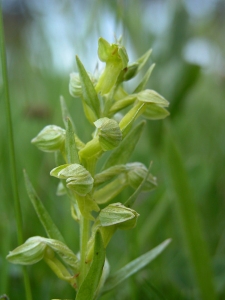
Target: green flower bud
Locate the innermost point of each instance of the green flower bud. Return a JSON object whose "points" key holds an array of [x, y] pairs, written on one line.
{"points": [[77, 178], [151, 96], [137, 173], [127, 73], [144, 99], [155, 112], [31, 252], [109, 133], [75, 85], [50, 139], [36, 248], [119, 215], [116, 59], [131, 71], [114, 216]]}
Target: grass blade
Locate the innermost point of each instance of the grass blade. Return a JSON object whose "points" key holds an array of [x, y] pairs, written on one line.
{"points": [[17, 206], [51, 230], [134, 266], [190, 220], [65, 113]]}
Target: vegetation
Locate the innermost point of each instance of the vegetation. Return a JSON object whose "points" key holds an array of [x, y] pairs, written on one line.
{"points": [[187, 150]]}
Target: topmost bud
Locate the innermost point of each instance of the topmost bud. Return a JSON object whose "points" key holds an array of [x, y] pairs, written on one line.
{"points": [[116, 59]]}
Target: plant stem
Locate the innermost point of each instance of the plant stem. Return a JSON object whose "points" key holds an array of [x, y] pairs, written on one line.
{"points": [[84, 237], [12, 151]]}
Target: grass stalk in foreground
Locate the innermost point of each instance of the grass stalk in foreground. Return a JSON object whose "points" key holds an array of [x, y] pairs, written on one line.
{"points": [[12, 150]]}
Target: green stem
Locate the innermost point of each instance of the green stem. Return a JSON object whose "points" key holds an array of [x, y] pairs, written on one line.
{"points": [[111, 190], [12, 151], [84, 237]]}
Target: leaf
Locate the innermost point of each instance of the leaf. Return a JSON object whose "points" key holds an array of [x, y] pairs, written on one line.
{"points": [[127, 121], [109, 174], [143, 59], [65, 253], [65, 112], [144, 80], [191, 228], [90, 96], [122, 103], [50, 228], [71, 149], [122, 153], [90, 284], [133, 267], [111, 190]]}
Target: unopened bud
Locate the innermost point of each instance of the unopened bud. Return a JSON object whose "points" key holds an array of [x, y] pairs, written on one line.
{"points": [[50, 139], [110, 134], [137, 173], [31, 252], [116, 59], [75, 87], [119, 215], [77, 178]]}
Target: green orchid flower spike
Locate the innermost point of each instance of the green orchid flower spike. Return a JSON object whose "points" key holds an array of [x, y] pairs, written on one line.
{"points": [[92, 193]]}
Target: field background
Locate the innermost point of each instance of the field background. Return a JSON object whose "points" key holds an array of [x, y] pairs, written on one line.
{"points": [[188, 42]]}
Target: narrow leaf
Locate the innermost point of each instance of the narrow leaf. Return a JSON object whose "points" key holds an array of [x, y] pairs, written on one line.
{"points": [[122, 103], [127, 121], [90, 284], [144, 80], [122, 153], [111, 190], [65, 253], [189, 217], [90, 96], [133, 267], [51, 230], [71, 149], [65, 112], [108, 174], [143, 59]]}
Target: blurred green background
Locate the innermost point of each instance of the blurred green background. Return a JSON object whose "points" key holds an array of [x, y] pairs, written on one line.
{"points": [[188, 42]]}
